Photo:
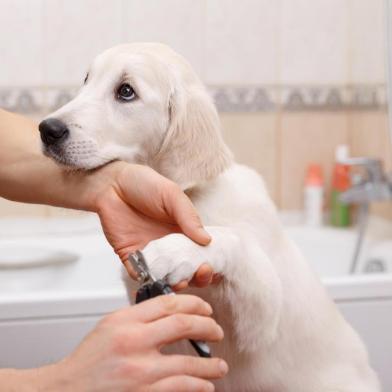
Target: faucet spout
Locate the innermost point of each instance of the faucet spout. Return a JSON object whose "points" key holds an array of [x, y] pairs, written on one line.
{"points": [[367, 192], [377, 186]]}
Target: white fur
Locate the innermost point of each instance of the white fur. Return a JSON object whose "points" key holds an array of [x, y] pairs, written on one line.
{"points": [[282, 332]]}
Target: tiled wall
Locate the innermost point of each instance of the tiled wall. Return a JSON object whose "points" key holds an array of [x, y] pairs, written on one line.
{"points": [[280, 145], [51, 42], [291, 78]]}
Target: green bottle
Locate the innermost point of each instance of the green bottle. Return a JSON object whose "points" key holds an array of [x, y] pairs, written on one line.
{"points": [[340, 212]]}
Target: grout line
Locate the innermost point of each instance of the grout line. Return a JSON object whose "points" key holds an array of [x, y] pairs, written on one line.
{"points": [[349, 41], [278, 160], [123, 20], [204, 39], [279, 99]]}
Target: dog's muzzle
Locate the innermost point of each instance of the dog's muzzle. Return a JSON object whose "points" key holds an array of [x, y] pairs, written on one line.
{"points": [[53, 131]]}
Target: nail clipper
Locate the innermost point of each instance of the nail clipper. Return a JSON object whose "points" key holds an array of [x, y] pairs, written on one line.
{"points": [[152, 287]]}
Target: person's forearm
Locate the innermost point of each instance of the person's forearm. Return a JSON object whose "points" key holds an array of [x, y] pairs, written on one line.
{"points": [[27, 380], [26, 175], [12, 380]]}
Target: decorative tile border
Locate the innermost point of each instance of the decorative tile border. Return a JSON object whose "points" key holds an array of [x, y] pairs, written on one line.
{"points": [[34, 99], [300, 98], [245, 99], [332, 98], [227, 98]]}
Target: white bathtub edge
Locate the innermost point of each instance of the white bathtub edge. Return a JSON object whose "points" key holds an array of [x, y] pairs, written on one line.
{"points": [[359, 287]]}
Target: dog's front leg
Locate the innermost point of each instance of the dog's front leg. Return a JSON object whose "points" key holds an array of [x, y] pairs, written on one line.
{"points": [[251, 287]]}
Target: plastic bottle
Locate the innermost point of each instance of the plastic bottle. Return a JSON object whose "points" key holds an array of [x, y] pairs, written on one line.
{"points": [[340, 212], [314, 195]]}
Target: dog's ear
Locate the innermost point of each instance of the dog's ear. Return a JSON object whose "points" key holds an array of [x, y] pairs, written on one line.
{"points": [[193, 150]]}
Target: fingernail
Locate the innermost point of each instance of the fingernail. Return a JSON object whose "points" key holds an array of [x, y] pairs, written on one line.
{"points": [[224, 368], [210, 387], [208, 308], [205, 234], [222, 334]]}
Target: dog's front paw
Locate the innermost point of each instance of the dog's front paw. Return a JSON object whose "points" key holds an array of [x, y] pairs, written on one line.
{"points": [[174, 257]]}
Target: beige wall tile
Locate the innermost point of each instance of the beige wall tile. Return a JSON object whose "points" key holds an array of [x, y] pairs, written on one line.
{"points": [[313, 44], [253, 140], [241, 41], [369, 136], [383, 209], [74, 33], [177, 23], [21, 43], [366, 41], [306, 138]]}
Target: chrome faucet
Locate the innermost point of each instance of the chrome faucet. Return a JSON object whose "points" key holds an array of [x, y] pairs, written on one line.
{"points": [[376, 185]]}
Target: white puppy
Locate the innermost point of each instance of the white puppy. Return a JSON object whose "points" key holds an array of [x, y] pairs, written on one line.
{"points": [[143, 103]]}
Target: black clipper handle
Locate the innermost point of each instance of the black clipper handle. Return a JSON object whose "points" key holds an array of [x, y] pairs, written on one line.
{"points": [[159, 287]]}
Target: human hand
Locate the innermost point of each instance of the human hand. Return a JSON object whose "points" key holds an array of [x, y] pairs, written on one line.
{"points": [[123, 352], [137, 205]]}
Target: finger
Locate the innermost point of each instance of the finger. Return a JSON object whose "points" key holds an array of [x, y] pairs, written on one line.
{"points": [[203, 276], [184, 326], [182, 384], [179, 206], [180, 286], [167, 305], [207, 368]]}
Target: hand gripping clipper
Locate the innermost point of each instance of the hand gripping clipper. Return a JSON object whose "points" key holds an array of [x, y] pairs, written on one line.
{"points": [[152, 287]]}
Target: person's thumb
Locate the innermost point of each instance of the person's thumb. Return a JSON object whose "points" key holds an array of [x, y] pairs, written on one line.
{"points": [[179, 206]]}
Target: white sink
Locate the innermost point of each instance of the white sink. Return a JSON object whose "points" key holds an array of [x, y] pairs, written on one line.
{"points": [[50, 257], [18, 256]]}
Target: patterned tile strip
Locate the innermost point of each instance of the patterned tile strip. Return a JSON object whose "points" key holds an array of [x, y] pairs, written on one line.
{"points": [[227, 98]]}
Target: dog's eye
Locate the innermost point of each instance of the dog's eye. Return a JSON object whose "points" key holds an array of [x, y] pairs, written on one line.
{"points": [[125, 92], [85, 79]]}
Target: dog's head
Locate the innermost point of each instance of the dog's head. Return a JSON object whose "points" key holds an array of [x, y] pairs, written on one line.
{"points": [[140, 103]]}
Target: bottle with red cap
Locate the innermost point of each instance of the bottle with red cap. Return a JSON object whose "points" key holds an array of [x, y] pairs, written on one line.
{"points": [[314, 195], [340, 212]]}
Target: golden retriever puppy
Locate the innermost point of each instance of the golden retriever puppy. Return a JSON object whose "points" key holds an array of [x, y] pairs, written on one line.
{"points": [[143, 103]]}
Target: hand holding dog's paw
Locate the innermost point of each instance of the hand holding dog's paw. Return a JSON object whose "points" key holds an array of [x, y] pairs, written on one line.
{"points": [[175, 257]]}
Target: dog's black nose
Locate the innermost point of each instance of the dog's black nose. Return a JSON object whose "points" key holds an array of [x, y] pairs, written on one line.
{"points": [[53, 131]]}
